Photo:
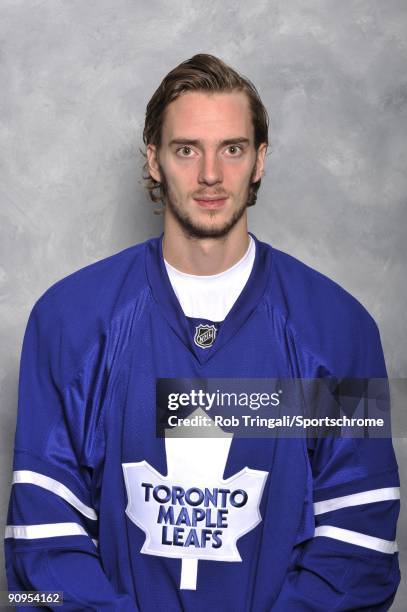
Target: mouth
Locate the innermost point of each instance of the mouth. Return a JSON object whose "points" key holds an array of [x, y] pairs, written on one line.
{"points": [[210, 203]]}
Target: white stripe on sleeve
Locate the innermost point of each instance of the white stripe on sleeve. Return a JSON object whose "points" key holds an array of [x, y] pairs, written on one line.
{"points": [[357, 499], [35, 478], [359, 539], [49, 530]]}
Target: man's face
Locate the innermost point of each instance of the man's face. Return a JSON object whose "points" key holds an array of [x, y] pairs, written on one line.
{"points": [[207, 161]]}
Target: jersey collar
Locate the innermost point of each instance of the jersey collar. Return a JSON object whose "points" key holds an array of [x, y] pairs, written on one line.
{"points": [[170, 307]]}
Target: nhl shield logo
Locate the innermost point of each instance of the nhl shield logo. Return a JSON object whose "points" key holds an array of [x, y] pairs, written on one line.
{"points": [[205, 335]]}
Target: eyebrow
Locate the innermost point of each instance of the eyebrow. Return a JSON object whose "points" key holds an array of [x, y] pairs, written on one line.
{"points": [[197, 142]]}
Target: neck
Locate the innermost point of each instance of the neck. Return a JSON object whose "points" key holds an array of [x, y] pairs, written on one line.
{"points": [[204, 256]]}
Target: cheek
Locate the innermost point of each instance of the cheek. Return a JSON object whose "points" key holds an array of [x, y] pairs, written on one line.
{"points": [[237, 177], [181, 179], [181, 183]]}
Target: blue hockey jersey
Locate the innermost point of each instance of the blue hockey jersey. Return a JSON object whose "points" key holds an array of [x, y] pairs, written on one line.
{"points": [[119, 519]]}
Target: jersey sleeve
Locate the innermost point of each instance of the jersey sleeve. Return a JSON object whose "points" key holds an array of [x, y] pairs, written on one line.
{"points": [[51, 535], [351, 562]]}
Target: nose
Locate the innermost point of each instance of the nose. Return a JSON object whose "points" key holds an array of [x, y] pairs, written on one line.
{"points": [[210, 172]]}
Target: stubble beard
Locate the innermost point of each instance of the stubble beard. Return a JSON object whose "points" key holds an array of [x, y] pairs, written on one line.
{"points": [[193, 229]]}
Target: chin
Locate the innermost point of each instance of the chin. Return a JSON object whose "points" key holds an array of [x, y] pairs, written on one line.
{"points": [[208, 230], [206, 224]]}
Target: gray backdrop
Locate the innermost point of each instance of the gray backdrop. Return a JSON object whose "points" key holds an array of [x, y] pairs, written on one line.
{"points": [[75, 78]]}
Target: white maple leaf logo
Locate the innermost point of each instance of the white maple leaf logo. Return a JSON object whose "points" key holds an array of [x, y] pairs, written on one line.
{"points": [[193, 513]]}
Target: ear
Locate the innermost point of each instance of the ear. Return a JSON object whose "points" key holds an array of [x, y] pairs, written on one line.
{"points": [[152, 161], [260, 159]]}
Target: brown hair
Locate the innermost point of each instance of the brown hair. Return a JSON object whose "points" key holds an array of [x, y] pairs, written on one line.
{"points": [[202, 72]]}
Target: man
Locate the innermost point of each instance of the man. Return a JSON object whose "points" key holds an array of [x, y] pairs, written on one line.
{"points": [[120, 519]]}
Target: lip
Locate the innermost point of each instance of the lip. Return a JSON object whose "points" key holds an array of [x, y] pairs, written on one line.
{"points": [[210, 203]]}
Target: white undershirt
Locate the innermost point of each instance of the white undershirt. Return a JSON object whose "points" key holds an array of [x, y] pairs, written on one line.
{"points": [[211, 297]]}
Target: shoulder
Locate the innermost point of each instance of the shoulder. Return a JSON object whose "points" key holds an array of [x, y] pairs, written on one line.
{"points": [[326, 320], [98, 287], [305, 291], [75, 313], [99, 278]]}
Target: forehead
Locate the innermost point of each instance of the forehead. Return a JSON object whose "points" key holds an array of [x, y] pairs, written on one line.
{"points": [[202, 115]]}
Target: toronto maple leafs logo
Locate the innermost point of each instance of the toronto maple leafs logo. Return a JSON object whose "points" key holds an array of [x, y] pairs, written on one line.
{"points": [[193, 513], [205, 335]]}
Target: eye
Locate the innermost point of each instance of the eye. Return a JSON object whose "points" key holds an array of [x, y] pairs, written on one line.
{"points": [[234, 150], [185, 151]]}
